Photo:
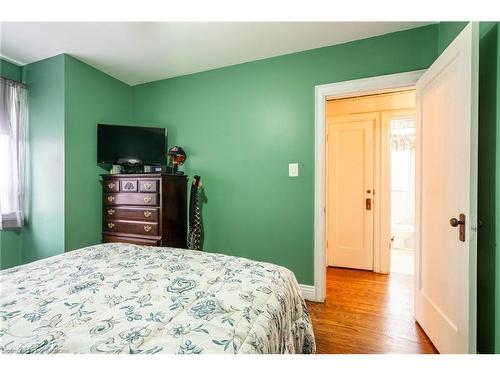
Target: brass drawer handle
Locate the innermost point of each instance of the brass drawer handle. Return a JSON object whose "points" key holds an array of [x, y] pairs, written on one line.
{"points": [[147, 213], [111, 185], [147, 199], [147, 228], [111, 212], [148, 186], [111, 225], [111, 198]]}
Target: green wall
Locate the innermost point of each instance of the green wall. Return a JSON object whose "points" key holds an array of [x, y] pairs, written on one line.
{"points": [[497, 201], [10, 70], [447, 31], [10, 240], [67, 98], [91, 97], [43, 233], [10, 248], [243, 124]]}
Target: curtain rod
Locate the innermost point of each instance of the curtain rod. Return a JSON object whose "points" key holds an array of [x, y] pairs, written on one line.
{"points": [[13, 80]]}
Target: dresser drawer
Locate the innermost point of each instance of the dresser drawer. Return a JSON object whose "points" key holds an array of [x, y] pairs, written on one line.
{"points": [[136, 241], [127, 185], [111, 186], [131, 227], [134, 199], [146, 186], [131, 213]]}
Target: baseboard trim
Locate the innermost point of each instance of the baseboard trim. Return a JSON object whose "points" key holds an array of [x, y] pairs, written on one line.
{"points": [[308, 292]]}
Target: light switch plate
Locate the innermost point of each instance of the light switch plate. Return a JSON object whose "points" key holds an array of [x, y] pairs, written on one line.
{"points": [[293, 169]]}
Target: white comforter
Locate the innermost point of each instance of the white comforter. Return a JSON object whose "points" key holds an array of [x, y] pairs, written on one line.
{"points": [[120, 298]]}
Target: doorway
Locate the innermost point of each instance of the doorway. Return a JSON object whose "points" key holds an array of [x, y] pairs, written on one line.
{"points": [[402, 150], [370, 184], [446, 190]]}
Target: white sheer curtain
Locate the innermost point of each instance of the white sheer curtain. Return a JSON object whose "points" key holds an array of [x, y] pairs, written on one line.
{"points": [[13, 117]]}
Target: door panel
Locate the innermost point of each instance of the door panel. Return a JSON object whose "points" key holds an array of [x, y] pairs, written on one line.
{"points": [[446, 168], [350, 163]]}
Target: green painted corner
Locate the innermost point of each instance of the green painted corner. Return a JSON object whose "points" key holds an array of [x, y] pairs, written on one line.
{"points": [[10, 70], [43, 233], [91, 97]]}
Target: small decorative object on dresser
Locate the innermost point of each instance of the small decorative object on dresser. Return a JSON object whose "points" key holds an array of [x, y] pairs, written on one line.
{"points": [[177, 157], [145, 209]]}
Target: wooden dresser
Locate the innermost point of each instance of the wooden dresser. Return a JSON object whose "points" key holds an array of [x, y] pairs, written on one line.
{"points": [[145, 209]]}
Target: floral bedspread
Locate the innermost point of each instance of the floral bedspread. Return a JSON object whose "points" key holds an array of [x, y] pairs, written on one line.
{"points": [[121, 298]]}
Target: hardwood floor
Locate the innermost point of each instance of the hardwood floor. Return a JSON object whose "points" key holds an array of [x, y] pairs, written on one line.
{"points": [[366, 312]]}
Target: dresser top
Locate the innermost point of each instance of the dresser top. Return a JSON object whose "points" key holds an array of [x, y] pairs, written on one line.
{"points": [[141, 175]]}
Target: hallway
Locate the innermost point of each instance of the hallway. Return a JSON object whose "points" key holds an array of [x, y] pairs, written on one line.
{"points": [[365, 313]]}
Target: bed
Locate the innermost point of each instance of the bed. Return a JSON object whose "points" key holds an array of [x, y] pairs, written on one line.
{"points": [[123, 298]]}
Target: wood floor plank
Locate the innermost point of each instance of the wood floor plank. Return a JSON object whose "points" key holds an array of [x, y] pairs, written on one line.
{"points": [[366, 312]]}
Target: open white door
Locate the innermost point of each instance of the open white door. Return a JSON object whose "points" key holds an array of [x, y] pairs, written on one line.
{"points": [[446, 171]]}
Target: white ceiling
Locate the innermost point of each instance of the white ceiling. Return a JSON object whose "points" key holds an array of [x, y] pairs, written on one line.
{"points": [[138, 52]]}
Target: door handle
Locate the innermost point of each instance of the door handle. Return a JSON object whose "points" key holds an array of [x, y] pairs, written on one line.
{"points": [[368, 203], [460, 223]]}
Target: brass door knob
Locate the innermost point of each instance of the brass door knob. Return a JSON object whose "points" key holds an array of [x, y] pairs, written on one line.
{"points": [[111, 185], [147, 213], [460, 223], [111, 212], [147, 228], [111, 225], [147, 199], [111, 198], [454, 222]]}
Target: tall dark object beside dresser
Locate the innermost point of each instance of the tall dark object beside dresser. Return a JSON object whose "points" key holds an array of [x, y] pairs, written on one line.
{"points": [[145, 209]]}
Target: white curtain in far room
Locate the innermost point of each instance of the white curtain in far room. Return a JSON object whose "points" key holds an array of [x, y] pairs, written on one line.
{"points": [[13, 117]]}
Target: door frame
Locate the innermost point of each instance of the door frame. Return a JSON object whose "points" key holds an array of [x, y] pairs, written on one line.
{"points": [[339, 90]]}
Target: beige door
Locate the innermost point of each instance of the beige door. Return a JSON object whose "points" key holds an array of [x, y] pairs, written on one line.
{"points": [[445, 295], [350, 164]]}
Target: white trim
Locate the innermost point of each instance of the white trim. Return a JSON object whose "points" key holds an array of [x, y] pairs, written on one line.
{"points": [[366, 86], [12, 61], [308, 292]]}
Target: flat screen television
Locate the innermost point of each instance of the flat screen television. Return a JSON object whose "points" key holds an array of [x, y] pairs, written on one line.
{"points": [[131, 145]]}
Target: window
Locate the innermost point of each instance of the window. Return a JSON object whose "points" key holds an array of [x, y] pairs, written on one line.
{"points": [[13, 115], [402, 153]]}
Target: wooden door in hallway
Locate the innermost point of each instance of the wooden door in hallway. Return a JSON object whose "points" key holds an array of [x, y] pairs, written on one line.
{"points": [[350, 171]]}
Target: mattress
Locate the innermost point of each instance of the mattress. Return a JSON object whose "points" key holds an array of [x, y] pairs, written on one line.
{"points": [[123, 298]]}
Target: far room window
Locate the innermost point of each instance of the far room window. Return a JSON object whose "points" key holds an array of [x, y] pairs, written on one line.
{"points": [[13, 117], [402, 153]]}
